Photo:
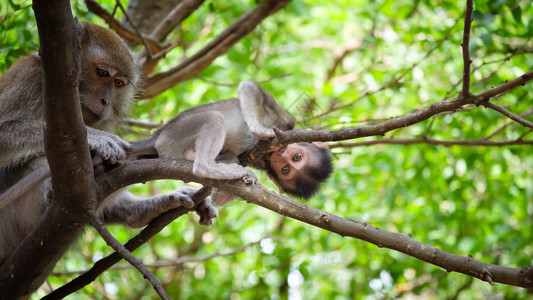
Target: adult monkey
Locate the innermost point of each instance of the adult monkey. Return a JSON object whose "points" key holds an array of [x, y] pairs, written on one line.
{"points": [[108, 82]]}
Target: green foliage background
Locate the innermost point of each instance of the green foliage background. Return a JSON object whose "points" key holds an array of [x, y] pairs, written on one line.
{"points": [[464, 200]]}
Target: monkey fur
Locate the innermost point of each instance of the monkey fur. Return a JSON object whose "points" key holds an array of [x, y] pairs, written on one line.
{"points": [[214, 135], [108, 83]]}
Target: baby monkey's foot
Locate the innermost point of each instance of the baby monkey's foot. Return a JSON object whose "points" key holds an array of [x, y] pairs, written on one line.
{"points": [[249, 179]]}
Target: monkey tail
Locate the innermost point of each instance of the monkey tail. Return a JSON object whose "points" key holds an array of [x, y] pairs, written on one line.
{"points": [[24, 185]]}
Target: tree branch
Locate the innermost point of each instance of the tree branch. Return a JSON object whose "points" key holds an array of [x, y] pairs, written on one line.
{"points": [[190, 67], [124, 32], [429, 141], [501, 129], [66, 150], [466, 50], [509, 114], [152, 169], [292, 136], [178, 261], [124, 253], [174, 18], [148, 232]]}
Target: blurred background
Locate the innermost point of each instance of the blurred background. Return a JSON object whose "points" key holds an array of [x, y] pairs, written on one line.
{"points": [[338, 64]]}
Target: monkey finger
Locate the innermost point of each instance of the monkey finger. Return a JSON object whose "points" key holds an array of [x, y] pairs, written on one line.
{"points": [[181, 199], [98, 170], [96, 160], [112, 160], [203, 205], [263, 134], [186, 190], [207, 208], [205, 221], [249, 179], [206, 212]]}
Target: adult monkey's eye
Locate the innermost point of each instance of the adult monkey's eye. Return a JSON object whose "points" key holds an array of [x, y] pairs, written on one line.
{"points": [[119, 83], [297, 156], [285, 170], [102, 72]]}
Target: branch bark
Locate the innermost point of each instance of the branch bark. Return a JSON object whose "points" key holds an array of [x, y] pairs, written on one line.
{"points": [[153, 169], [509, 114], [66, 149]]}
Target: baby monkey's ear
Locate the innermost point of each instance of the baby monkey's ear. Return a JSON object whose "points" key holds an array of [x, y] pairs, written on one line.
{"points": [[280, 188], [321, 145]]}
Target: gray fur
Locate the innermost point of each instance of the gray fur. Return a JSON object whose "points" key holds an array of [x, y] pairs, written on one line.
{"points": [[22, 146]]}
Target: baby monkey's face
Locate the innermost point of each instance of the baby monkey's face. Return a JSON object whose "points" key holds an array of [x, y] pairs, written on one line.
{"points": [[290, 162]]}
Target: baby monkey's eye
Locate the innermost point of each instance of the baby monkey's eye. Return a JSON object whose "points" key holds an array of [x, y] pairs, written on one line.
{"points": [[297, 156], [285, 170]]}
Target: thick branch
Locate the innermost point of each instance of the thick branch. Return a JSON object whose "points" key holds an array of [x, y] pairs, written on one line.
{"points": [[65, 134], [143, 170], [66, 150], [193, 65], [522, 277]]}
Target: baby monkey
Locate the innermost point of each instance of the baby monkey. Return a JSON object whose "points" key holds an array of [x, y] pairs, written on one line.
{"points": [[214, 135]]}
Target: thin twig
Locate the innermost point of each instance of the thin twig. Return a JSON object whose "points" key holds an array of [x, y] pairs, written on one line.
{"points": [[499, 130], [119, 248], [177, 261], [105, 263], [465, 45], [508, 114], [137, 32], [523, 135], [395, 80], [429, 141]]}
